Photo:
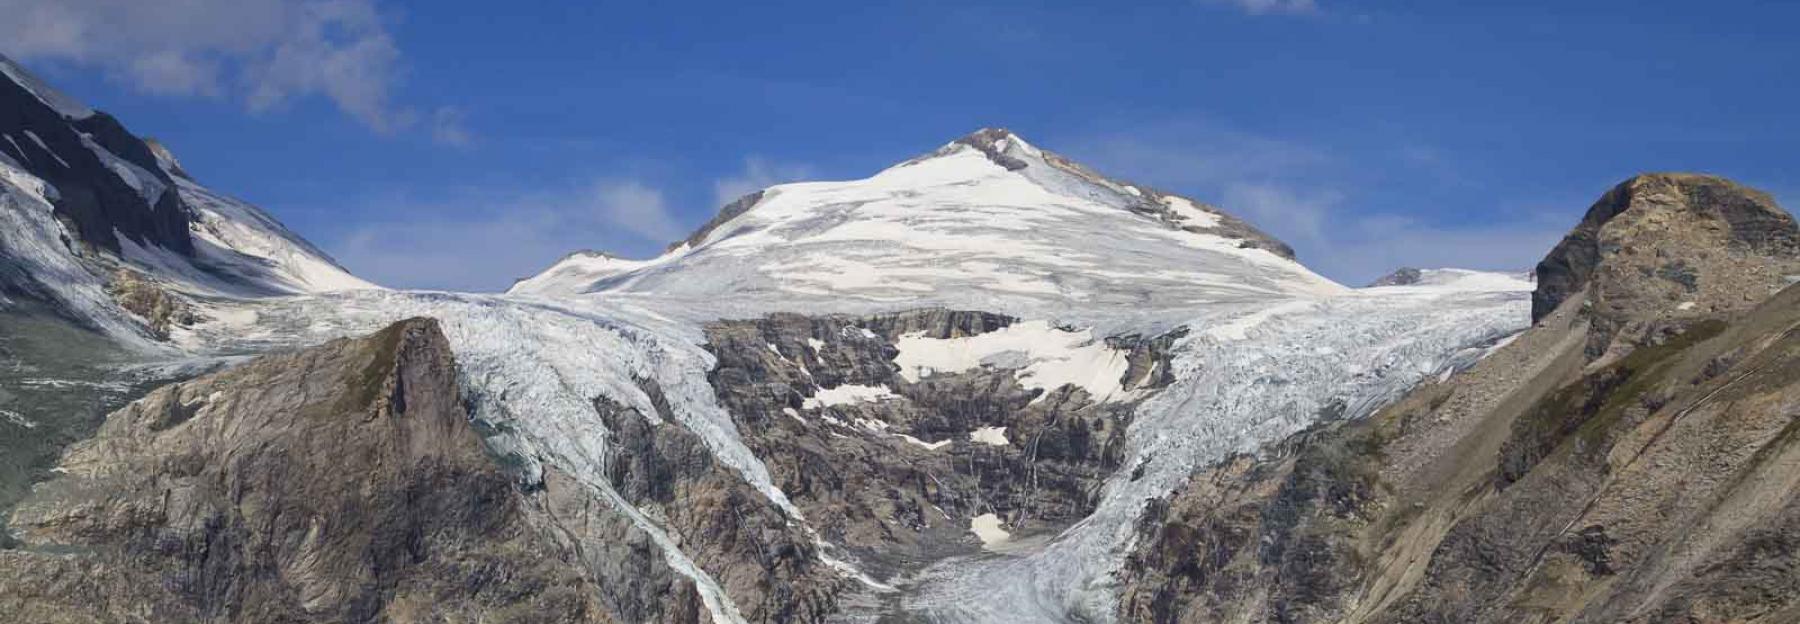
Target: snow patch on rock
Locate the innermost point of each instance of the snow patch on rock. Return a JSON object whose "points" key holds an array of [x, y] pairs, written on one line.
{"points": [[1190, 214], [1052, 357], [991, 436], [989, 529], [848, 394]]}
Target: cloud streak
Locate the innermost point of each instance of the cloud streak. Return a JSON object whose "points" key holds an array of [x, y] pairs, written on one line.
{"points": [[759, 173], [482, 239], [1318, 203], [1355, 248], [264, 53], [1270, 7]]}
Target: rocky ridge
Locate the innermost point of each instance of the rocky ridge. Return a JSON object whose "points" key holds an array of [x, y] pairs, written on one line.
{"points": [[339, 483], [1624, 460]]}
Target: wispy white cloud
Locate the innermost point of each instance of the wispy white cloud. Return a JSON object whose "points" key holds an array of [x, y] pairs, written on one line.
{"points": [[1271, 7], [481, 239], [1316, 201], [633, 206], [448, 127], [1355, 247], [484, 238], [262, 52], [758, 173]]}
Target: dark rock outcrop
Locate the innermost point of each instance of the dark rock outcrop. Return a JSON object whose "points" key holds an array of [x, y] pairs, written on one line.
{"points": [[1403, 276], [140, 295], [896, 481], [92, 196], [757, 553], [731, 211]]}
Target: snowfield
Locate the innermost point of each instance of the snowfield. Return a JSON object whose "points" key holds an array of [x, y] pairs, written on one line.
{"points": [[955, 228]]}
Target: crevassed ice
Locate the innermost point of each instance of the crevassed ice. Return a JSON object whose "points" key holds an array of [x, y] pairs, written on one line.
{"points": [[536, 364], [1234, 392]]}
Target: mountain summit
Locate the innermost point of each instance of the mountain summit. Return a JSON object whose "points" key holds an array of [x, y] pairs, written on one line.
{"points": [[988, 214]]}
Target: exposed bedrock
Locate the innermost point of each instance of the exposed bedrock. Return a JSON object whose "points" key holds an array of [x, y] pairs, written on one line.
{"points": [[895, 466], [341, 483], [1630, 458]]}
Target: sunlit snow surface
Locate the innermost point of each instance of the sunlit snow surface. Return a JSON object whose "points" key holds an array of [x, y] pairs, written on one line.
{"points": [[955, 226]]}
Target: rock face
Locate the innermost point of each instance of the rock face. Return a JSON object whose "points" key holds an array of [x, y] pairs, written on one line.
{"points": [[1651, 480], [1669, 246], [897, 468], [159, 310], [761, 558], [346, 483], [116, 190], [341, 483]]}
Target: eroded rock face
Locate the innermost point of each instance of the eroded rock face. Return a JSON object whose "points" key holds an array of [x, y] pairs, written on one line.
{"points": [[1662, 247], [159, 310], [757, 553], [896, 473], [1654, 484], [341, 483]]}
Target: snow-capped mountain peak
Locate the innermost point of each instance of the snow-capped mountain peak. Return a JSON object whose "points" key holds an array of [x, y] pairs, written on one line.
{"points": [[998, 144], [89, 201], [988, 216]]}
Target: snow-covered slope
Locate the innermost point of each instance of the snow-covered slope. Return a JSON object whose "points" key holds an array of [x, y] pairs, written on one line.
{"points": [[103, 200], [1457, 279], [235, 238], [574, 272], [986, 216]]}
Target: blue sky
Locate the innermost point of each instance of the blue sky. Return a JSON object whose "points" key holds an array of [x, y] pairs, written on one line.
{"points": [[461, 144]]}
